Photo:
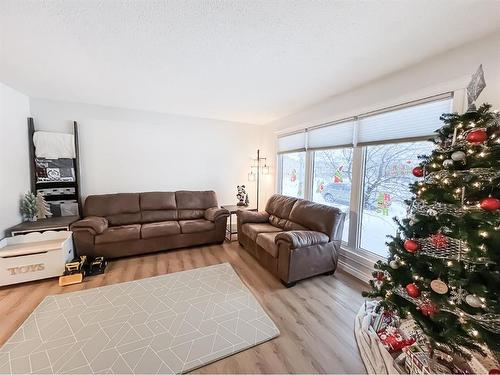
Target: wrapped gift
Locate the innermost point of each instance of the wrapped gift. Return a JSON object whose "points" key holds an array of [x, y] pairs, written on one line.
{"points": [[393, 339], [418, 362], [417, 359], [384, 319]]}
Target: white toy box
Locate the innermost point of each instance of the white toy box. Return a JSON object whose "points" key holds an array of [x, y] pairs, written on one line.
{"points": [[34, 256]]}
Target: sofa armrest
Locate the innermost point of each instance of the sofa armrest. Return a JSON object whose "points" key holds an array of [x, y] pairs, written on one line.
{"points": [[215, 213], [93, 224], [302, 238], [251, 217]]}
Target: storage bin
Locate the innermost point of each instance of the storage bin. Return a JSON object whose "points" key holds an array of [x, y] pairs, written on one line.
{"points": [[34, 256]]}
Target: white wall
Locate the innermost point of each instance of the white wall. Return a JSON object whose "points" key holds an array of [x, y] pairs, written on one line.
{"points": [[14, 160], [129, 151], [442, 73]]}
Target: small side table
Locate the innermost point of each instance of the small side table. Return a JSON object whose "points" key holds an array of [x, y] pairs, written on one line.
{"points": [[231, 228], [59, 223]]}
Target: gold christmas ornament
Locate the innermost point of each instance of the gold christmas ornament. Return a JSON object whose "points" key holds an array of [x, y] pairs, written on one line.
{"points": [[439, 286]]}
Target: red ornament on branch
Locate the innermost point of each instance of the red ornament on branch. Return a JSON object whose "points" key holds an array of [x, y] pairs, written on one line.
{"points": [[411, 246], [477, 136], [439, 240], [418, 171], [413, 290], [490, 204], [428, 308]]}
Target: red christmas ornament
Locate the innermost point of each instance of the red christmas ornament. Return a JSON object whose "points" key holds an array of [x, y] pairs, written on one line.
{"points": [[380, 276], [439, 240], [418, 171], [428, 308], [411, 246], [490, 204], [477, 136], [413, 290]]}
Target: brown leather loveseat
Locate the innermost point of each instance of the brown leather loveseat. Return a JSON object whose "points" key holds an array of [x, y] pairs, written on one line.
{"points": [[293, 238], [117, 225]]}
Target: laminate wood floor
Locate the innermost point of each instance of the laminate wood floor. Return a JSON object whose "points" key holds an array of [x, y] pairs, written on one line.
{"points": [[316, 317]]}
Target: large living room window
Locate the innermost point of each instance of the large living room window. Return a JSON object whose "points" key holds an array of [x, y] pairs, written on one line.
{"points": [[387, 174], [332, 180], [362, 165]]}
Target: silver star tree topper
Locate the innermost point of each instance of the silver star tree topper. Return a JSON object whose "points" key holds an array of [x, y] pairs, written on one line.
{"points": [[476, 85]]}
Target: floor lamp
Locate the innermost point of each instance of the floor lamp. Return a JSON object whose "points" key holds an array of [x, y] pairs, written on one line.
{"points": [[259, 167]]}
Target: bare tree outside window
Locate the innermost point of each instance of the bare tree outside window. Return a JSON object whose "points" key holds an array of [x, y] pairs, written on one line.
{"points": [[386, 180], [332, 179]]}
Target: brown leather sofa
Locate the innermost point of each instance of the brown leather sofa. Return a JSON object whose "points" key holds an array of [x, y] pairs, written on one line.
{"points": [[117, 225], [294, 238]]}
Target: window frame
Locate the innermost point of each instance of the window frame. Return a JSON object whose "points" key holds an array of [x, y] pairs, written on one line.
{"points": [[352, 248]]}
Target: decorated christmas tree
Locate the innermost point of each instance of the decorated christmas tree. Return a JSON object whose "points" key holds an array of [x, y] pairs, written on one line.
{"points": [[444, 264]]}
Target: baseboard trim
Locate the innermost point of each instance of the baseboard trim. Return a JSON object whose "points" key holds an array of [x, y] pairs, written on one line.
{"points": [[356, 265], [363, 276]]}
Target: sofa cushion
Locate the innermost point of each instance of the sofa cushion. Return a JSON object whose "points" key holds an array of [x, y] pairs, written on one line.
{"points": [[285, 223], [253, 229], [290, 225], [266, 241], [195, 200], [198, 225], [118, 209], [152, 216], [277, 221], [190, 214], [119, 233], [317, 217], [280, 206], [124, 219], [160, 229], [111, 204], [157, 200], [158, 206]]}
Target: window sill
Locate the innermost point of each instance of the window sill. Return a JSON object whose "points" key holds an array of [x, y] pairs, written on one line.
{"points": [[358, 263]]}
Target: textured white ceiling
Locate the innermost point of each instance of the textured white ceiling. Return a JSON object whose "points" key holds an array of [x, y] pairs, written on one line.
{"points": [[250, 61]]}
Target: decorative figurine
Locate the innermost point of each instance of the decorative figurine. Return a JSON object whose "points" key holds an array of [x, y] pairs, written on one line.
{"points": [[95, 266], [28, 207], [74, 272], [42, 207], [242, 196], [82, 267]]}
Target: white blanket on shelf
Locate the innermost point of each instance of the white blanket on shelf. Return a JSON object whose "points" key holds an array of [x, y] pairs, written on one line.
{"points": [[54, 145], [376, 358]]}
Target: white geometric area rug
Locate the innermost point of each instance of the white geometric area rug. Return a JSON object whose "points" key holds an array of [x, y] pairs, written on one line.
{"points": [[165, 324]]}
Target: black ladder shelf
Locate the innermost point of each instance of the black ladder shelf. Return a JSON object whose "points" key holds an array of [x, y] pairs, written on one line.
{"points": [[36, 185]]}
